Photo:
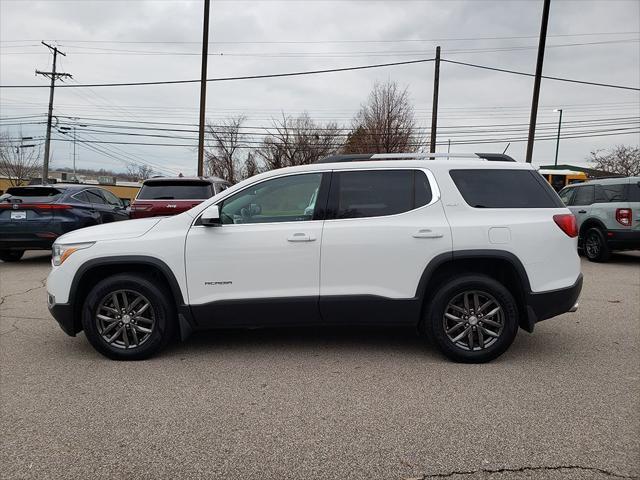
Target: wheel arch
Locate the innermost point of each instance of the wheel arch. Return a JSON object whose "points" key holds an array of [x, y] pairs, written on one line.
{"points": [[591, 223], [500, 265], [98, 268]]}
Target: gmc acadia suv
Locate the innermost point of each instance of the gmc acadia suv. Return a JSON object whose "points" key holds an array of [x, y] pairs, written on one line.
{"points": [[465, 250]]}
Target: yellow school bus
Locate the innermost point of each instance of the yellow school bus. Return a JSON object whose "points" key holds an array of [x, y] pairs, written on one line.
{"points": [[559, 179]]}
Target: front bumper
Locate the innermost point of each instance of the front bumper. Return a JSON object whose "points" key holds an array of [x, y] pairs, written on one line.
{"points": [[544, 305], [63, 313]]}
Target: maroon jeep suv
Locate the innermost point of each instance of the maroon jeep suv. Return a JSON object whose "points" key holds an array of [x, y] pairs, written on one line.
{"points": [[169, 196]]}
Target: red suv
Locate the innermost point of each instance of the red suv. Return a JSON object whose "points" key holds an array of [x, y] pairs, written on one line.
{"points": [[169, 196]]}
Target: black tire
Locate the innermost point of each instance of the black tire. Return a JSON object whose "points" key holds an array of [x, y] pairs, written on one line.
{"points": [[161, 311], [595, 246], [11, 255], [436, 323]]}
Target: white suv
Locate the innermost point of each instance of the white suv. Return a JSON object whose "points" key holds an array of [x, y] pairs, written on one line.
{"points": [[467, 250]]}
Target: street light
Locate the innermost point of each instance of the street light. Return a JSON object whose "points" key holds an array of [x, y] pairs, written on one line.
{"points": [[558, 139]]}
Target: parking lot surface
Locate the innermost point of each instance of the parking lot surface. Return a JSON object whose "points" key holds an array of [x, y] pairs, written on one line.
{"points": [[324, 404]]}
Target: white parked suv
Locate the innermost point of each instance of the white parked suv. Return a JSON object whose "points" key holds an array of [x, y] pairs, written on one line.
{"points": [[467, 250]]}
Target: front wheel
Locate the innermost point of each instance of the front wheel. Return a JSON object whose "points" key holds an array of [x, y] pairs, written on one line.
{"points": [[11, 255], [128, 317], [595, 246], [472, 319]]}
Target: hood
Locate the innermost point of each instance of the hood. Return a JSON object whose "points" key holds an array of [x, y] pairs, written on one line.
{"points": [[111, 231]]}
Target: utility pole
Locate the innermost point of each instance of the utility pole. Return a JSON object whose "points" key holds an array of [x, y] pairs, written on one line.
{"points": [[537, 80], [203, 86], [53, 75], [558, 139], [434, 108]]}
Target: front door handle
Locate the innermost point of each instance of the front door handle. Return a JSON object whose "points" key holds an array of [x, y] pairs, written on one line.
{"points": [[426, 233], [301, 237]]}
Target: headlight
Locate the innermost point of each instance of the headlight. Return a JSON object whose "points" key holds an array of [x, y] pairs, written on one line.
{"points": [[61, 252]]}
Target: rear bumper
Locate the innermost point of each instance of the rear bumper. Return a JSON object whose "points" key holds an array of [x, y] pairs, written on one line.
{"points": [[63, 313], [544, 305], [623, 239]]}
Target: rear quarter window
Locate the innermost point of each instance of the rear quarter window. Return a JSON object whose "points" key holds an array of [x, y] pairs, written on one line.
{"points": [[493, 188]]}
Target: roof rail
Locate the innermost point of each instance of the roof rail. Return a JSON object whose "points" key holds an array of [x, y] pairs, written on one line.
{"points": [[363, 157]]}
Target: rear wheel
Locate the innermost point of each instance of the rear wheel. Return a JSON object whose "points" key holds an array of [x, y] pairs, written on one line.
{"points": [[472, 319], [595, 246], [127, 317], [11, 255]]}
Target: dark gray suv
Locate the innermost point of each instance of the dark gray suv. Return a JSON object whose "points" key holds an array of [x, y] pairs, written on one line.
{"points": [[608, 214]]}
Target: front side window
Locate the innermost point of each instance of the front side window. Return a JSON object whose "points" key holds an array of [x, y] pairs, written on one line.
{"points": [[111, 198], [584, 195], [285, 199], [376, 193], [95, 197], [565, 195]]}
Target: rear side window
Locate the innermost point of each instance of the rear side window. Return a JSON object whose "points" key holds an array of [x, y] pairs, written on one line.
{"points": [[634, 192], [375, 193], [82, 197], [584, 195], [611, 193], [175, 191], [492, 188]]}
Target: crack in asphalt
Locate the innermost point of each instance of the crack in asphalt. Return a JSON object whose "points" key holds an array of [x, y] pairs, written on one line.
{"points": [[525, 469], [43, 283], [14, 326]]}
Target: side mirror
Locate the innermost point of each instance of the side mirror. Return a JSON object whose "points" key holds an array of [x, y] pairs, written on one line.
{"points": [[211, 216], [125, 202]]}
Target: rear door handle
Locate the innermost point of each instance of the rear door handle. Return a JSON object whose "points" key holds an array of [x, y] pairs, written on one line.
{"points": [[582, 211], [301, 237], [426, 233]]}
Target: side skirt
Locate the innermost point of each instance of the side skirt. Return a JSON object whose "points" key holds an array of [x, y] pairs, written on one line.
{"points": [[304, 311]]}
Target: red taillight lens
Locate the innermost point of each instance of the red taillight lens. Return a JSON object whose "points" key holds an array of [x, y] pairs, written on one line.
{"points": [[567, 223], [141, 207], [35, 206], [623, 216]]}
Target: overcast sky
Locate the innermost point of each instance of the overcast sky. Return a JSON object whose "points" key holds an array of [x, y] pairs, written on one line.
{"points": [[588, 40]]}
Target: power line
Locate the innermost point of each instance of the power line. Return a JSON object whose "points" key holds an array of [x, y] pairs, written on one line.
{"points": [[223, 79], [583, 82], [407, 40]]}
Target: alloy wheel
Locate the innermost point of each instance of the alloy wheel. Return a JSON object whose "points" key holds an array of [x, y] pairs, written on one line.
{"points": [[473, 320], [592, 245], [125, 319]]}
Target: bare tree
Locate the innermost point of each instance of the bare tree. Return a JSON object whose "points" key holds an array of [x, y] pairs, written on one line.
{"points": [[298, 141], [139, 172], [621, 160], [226, 151], [385, 123], [18, 162]]}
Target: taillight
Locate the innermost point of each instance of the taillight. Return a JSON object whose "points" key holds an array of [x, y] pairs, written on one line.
{"points": [[140, 207], [623, 216], [35, 206], [567, 223]]}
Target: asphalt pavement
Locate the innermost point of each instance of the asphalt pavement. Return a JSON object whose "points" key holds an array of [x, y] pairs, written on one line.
{"points": [[562, 403]]}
